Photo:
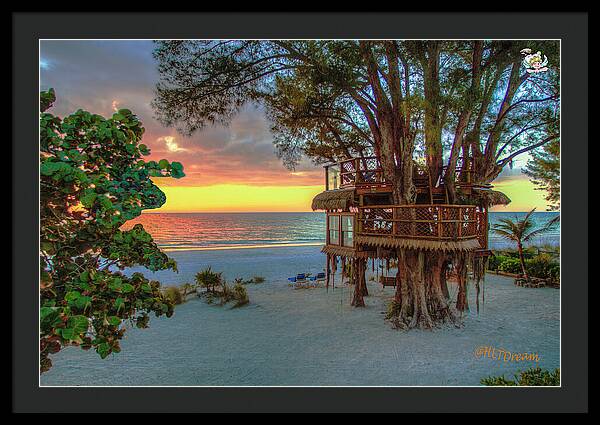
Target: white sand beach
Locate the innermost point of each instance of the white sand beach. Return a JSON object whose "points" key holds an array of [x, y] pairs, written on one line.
{"points": [[314, 337]]}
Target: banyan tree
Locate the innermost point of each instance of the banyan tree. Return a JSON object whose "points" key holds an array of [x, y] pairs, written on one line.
{"points": [[412, 134]]}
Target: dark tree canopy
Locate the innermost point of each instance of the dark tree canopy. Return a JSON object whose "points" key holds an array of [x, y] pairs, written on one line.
{"points": [[93, 179], [399, 100]]}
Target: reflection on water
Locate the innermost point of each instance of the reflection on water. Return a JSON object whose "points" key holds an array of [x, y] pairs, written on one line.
{"points": [[226, 229], [210, 230]]}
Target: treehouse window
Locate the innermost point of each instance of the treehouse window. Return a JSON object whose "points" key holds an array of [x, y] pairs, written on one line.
{"points": [[348, 230], [333, 178], [334, 229]]}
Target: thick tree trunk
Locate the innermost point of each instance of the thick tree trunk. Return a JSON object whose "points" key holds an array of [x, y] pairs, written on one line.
{"points": [[421, 293]]}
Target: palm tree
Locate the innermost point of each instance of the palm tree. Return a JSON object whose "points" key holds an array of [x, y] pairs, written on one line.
{"points": [[521, 231]]}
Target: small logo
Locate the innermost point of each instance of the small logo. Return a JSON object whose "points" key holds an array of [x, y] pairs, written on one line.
{"points": [[535, 62]]}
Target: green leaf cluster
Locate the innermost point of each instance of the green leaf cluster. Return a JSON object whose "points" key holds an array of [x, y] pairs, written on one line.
{"points": [[535, 376], [93, 180]]}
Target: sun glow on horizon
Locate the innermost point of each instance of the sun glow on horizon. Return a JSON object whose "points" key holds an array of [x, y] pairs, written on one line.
{"points": [[238, 198], [249, 198]]}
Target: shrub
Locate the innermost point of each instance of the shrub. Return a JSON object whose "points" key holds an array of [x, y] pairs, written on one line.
{"points": [[240, 295], [495, 261], [187, 289], [258, 279], [513, 253], [543, 266], [173, 294], [228, 294], [510, 265], [535, 376], [208, 279]]}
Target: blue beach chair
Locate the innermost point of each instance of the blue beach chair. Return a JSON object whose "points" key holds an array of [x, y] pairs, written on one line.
{"points": [[319, 277], [298, 280]]}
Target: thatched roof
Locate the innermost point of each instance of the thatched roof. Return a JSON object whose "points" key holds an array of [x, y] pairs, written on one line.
{"points": [[491, 197], [340, 251], [343, 251], [424, 244], [333, 199]]}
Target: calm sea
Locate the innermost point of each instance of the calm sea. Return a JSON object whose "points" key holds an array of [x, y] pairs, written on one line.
{"points": [[223, 230]]}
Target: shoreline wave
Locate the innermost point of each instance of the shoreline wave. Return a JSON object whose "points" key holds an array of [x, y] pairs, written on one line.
{"points": [[170, 248]]}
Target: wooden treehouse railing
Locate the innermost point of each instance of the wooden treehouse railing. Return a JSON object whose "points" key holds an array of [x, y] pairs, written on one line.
{"points": [[367, 171], [361, 171], [433, 222]]}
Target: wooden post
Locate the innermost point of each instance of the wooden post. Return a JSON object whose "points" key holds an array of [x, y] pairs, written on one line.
{"points": [[327, 228], [326, 177]]}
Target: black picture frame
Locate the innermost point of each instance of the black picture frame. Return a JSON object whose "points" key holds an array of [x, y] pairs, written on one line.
{"points": [[570, 28]]}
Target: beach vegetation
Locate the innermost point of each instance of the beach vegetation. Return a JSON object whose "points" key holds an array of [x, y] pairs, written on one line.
{"points": [[252, 280], [93, 179], [219, 291], [240, 295], [520, 231], [543, 265], [534, 376], [187, 289], [208, 279], [173, 294], [225, 293]]}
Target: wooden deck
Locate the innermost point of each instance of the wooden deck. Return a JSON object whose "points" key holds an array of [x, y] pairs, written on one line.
{"points": [[418, 226]]}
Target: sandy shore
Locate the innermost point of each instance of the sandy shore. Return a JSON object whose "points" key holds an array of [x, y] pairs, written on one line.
{"points": [[313, 337]]}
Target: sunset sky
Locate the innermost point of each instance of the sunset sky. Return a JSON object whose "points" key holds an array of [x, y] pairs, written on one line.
{"points": [[230, 168]]}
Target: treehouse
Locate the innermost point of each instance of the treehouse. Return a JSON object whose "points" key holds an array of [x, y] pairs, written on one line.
{"points": [[364, 223]]}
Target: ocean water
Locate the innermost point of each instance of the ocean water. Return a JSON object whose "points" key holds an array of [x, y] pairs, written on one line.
{"points": [[183, 231]]}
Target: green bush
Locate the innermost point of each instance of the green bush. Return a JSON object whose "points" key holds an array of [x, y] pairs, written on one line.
{"points": [[226, 293], [173, 294], [510, 265], [535, 376], [513, 253], [495, 261], [543, 266], [240, 295]]}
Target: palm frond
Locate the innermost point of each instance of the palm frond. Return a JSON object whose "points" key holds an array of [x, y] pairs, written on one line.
{"points": [[535, 233], [505, 234]]}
